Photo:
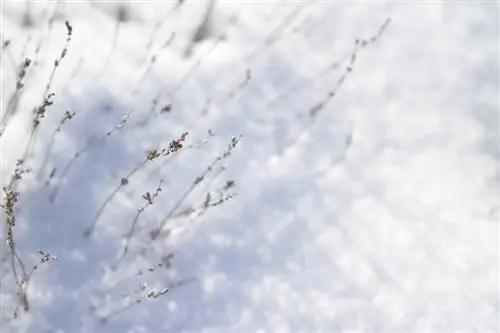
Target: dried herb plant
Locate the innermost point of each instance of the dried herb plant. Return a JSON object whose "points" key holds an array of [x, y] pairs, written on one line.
{"points": [[173, 147], [198, 180], [9, 202], [149, 198], [39, 111], [211, 199], [24, 285], [213, 190], [57, 62], [11, 197]]}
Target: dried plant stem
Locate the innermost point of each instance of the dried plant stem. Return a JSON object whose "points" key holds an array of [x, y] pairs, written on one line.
{"points": [[174, 146], [80, 152], [67, 116], [11, 195], [29, 145], [151, 294], [156, 232], [9, 201], [13, 102], [57, 62], [166, 262], [314, 110], [39, 112], [23, 287], [128, 236], [232, 94], [331, 67], [306, 82], [274, 35], [185, 78], [151, 63], [8, 205], [167, 161], [278, 31], [209, 201], [124, 181]]}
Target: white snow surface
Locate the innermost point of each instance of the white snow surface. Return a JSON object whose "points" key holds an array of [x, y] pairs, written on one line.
{"points": [[379, 216]]}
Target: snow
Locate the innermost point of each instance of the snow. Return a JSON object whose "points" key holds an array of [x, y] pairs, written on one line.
{"points": [[379, 214]]}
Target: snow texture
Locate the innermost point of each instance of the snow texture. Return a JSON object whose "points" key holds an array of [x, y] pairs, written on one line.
{"points": [[366, 188]]}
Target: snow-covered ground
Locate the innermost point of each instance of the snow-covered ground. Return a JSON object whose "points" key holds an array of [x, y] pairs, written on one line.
{"points": [[366, 187]]}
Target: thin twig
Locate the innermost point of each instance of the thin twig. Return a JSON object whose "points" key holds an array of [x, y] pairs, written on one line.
{"points": [[174, 146], [146, 295], [39, 112], [154, 234], [90, 145], [315, 109], [128, 237], [67, 116]]}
